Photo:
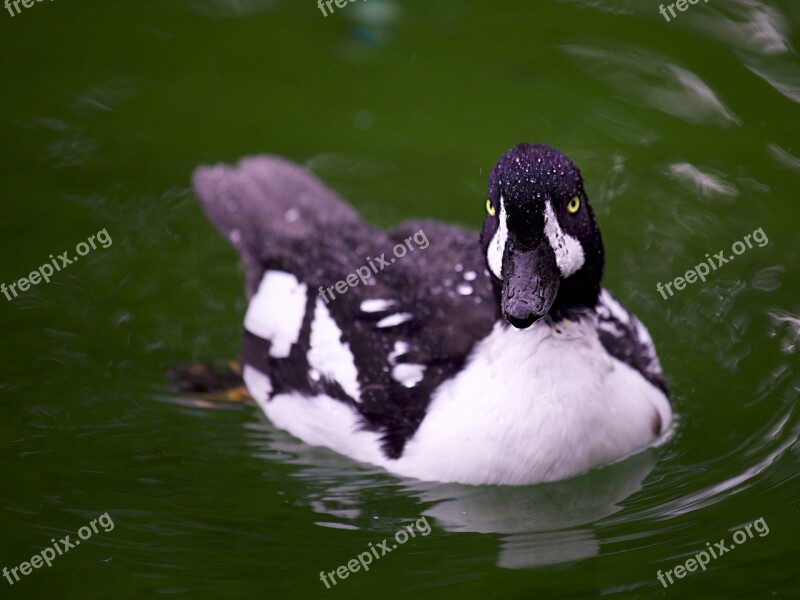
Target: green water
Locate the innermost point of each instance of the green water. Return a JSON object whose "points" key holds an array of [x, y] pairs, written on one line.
{"points": [[687, 134]]}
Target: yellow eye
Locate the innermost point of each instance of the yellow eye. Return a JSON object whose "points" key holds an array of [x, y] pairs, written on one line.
{"points": [[490, 208], [574, 205]]}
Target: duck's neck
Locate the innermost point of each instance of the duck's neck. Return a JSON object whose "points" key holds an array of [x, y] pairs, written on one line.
{"points": [[579, 294]]}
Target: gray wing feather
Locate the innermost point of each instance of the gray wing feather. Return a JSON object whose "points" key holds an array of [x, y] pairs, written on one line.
{"points": [[269, 209]]}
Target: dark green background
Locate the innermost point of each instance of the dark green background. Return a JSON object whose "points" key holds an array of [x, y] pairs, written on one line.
{"points": [[403, 108]]}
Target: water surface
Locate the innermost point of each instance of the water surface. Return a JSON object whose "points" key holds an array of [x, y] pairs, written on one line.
{"points": [[687, 136]]}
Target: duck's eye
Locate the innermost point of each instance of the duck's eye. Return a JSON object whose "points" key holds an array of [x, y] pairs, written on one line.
{"points": [[574, 205], [490, 208]]}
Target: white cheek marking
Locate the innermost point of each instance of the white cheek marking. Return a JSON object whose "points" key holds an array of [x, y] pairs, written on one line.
{"points": [[568, 250], [497, 246], [258, 384], [276, 311], [329, 355]]}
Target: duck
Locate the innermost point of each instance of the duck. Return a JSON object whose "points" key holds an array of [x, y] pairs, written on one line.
{"points": [[494, 359]]}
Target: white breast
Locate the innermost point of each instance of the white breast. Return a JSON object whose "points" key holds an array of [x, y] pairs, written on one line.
{"points": [[535, 405]]}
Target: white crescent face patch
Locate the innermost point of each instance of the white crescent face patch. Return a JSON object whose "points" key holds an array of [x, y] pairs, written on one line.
{"points": [[497, 246], [568, 250]]}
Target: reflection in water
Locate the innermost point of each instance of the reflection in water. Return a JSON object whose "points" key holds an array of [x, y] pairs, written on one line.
{"points": [[701, 182], [557, 522], [541, 524], [781, 74], [229, 9], [785, 158], [650, 78], [718, 491], [373, 22], [538, 525], [748, 24], [781, 318]]}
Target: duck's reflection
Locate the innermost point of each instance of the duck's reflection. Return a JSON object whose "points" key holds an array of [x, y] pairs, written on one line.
{"points": [[543, 524]]}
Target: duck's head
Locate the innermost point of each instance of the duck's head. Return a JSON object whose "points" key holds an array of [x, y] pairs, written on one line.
{"points": [[540, 237]]}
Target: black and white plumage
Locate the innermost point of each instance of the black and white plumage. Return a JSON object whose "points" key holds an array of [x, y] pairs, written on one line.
{"points": [[493, 362]]}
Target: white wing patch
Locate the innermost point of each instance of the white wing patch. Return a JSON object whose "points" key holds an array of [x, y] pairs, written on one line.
{"points": [[568, 250], [394, 320], [258, 384], [408, 374], [276, 311], [498, 244], [614, 307], [329, 355], [376, 305], [609, 307], [324, 421], [399, 349]]}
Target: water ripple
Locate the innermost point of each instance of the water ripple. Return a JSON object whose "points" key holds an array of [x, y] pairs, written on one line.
{"points": [[652, 79], [747, 24]]}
